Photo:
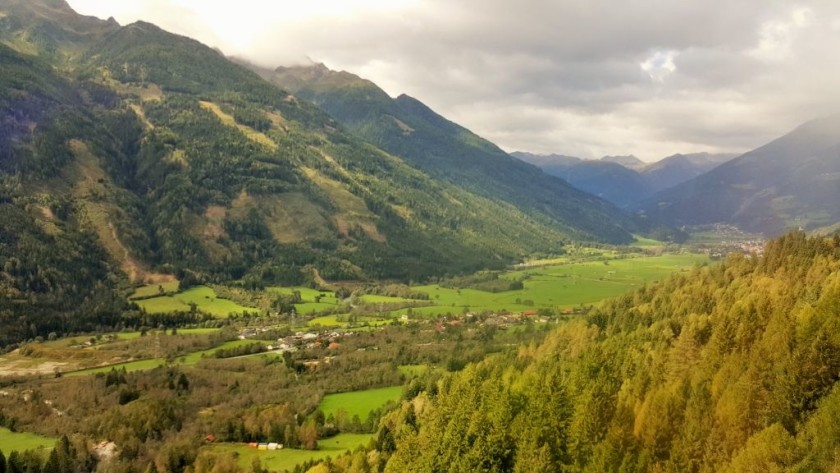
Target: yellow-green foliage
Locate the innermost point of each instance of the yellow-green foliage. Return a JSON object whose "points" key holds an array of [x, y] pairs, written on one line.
{"points": [[729, 368]]}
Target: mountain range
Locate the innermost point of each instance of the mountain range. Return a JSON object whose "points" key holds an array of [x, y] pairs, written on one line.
{"points": [[625, 180]]}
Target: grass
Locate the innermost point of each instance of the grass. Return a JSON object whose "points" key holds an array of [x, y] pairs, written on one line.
{"points": [[643, 242], [359, 403], [188, 359], [288, 458], [413, 371], [326, 299], [21, 441], [203, 297], [375, 299], [307, 308], [150, 290], [559, 286], [325, 321]]}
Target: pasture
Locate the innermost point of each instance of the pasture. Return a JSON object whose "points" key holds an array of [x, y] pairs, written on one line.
{"points": [[288, 458], [343, 321], [204, 298], [22, 441], [189, 359], [151, 290], [313, 301], [559, 286], [359, 403]]}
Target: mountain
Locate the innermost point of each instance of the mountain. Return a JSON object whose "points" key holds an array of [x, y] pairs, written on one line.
{"points": [[606, 179], [625, 185], [409, 129], [129, 154], [791, 182], [629, 161], [547, 161], [679, 168]]}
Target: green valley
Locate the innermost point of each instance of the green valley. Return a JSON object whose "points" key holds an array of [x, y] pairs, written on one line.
{"points": [[210, 264]]}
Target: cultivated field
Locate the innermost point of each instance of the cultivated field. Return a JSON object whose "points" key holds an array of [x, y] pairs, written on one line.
{"points": [[559, 286], [288, 458], [204, 298], [189, 359], [359, 403], [21, 441]]}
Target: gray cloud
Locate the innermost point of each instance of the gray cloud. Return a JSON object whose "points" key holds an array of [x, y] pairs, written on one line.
{"points": [[562, 76]]}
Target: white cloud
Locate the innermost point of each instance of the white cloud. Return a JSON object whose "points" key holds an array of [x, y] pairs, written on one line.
{"points": [[777, 36], [659, 65], [648, 77]]}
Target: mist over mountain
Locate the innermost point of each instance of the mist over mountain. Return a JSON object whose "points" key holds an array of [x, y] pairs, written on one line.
{"points": [[791, 182]]}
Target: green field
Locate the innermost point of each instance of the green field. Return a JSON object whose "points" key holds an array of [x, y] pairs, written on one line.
{"points": [[308, 306], [327, 321], [289, 458], [559, 286], [181, 331], [203, 297], [413, 371], [150, 290], [359, 403], [21, 441], [375, 299], [189, 359]]}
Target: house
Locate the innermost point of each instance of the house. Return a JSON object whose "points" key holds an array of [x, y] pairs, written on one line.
{"points": [[274, 446], [210, 438], [529, 313]]}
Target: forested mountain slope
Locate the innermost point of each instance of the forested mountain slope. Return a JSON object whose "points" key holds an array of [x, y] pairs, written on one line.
{"points": [[732, 367], [132, 154], [407, 128], [791, 182]]}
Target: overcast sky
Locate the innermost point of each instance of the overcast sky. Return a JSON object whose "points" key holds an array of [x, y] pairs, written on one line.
{"points": [[579, 77]]}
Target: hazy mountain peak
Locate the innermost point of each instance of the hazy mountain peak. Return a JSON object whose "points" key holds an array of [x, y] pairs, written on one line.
{"points": [[628, 161], [317, 75], [791, 182]]}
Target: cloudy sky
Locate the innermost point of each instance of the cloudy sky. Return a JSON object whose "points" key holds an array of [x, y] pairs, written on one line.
{"points": [[578, 77]]}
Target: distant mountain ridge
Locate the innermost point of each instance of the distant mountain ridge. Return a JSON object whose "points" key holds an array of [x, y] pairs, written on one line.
{"points": [[628, 184], [791, 182]]}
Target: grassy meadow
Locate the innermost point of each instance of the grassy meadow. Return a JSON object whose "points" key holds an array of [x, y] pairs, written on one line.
{"points": [[359, 403], [203, 297], [288, 458], [151, 290], [189, 359], [559, 286], [21, 441]]}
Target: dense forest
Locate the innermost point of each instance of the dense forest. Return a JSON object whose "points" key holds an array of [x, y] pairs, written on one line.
{"points": [[733, 367]]}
